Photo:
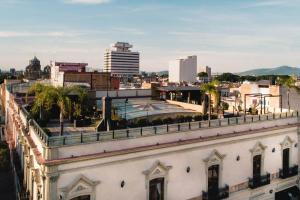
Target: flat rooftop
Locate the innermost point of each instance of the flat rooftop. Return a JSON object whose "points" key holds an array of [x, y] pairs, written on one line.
{"points": [[136, 108]]}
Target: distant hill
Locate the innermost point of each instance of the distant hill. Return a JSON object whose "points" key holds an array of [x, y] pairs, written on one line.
{"points": [[283, 70]]}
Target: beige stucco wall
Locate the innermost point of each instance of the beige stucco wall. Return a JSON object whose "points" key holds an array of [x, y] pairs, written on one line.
{"points": [[189, 106]]}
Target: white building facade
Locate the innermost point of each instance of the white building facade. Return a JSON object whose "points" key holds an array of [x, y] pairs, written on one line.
{"points": [[184, 69], [237, 159], [121, 61]]}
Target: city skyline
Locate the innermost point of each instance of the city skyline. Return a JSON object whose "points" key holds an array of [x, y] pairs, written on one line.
{"points": [[228, 36]]}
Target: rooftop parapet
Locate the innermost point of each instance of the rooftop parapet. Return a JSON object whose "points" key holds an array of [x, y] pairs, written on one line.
{"points": [[81, 138]]}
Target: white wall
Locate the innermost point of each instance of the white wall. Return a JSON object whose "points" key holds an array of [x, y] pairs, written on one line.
{"points": [[181, 185], [57, 77]]}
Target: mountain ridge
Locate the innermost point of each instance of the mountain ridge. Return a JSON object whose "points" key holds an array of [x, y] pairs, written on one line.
{"points": [[282, 70]]}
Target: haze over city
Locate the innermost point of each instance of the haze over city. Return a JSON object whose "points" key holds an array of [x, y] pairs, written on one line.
{"points": [[226, 35]]}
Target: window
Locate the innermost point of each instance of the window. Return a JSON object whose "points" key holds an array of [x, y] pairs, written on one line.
{"points": [[258, 152], [156, 181], [285, 160], [156, 189], [256, 166], [213, 181]]}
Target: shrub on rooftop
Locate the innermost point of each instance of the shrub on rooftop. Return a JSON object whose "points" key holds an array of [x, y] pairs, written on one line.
{"points": [[180, 118], [198, 117], [142, 122], [168, 120], [157, 121]]}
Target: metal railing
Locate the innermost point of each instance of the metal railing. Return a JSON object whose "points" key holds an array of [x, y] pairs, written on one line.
{"points": [[77, 138], [288, 172], [220, 193], [259, 181]]}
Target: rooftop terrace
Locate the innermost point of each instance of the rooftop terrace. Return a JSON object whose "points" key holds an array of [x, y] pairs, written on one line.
{"points": [[92, 136]]}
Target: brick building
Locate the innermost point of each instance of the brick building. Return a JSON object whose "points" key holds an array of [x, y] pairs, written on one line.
{"points": [[68, 74]]}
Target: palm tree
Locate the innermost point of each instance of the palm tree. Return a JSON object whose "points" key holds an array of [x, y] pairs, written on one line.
{"points": [[64, 103], [45, 98], [209, 88], [289, 83]]}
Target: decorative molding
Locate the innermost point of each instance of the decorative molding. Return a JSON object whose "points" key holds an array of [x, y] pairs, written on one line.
{"points": [[215, 158], [287, 143], [158, 170], [258, 149], [78, 187]]}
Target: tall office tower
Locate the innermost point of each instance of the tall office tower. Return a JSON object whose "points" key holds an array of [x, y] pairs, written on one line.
{"points": [[121, 61], [184, 69]]}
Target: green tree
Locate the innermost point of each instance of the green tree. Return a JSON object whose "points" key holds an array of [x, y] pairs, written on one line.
{"points": [[202, 74], [228, 77], [64, 104], [46, 97]]}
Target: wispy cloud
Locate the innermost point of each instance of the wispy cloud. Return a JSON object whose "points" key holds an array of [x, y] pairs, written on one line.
{"points": [[87, 1], [12, 34], [268, 3], [129, 31]]}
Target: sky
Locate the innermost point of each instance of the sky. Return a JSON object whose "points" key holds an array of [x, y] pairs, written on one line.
{"points": [[227, 35]]}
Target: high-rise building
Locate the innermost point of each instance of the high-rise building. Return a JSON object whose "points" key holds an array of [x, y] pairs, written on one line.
{"points": [[207, 78], [121, 61], [184, 69]]}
